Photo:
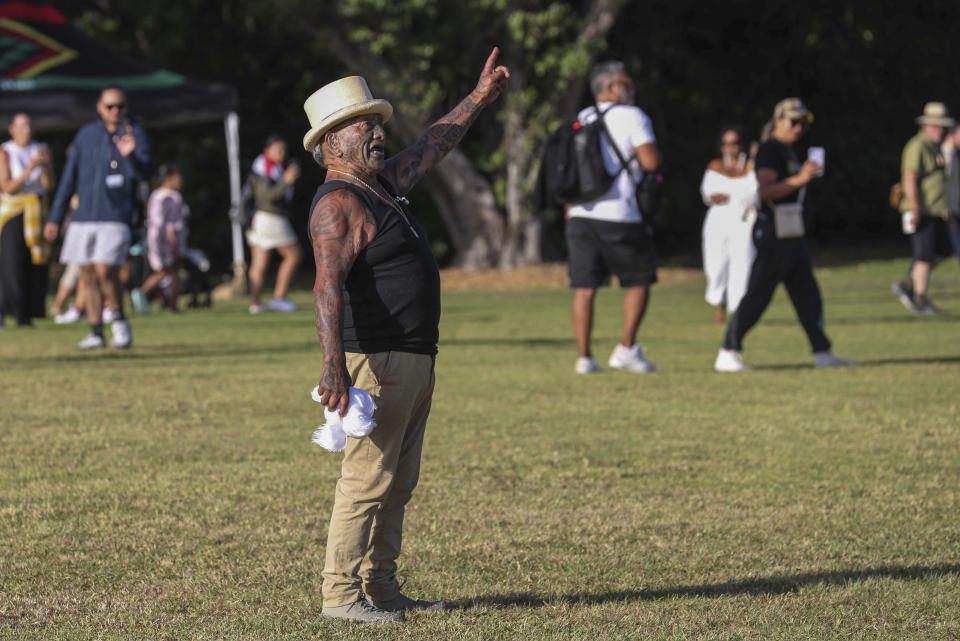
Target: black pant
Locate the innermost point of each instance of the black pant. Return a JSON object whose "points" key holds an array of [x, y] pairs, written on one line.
{"points": [[23, 285], [784, 261]]}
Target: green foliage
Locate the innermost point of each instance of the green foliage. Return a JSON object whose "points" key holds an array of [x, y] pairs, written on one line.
{"points": [[865, 68]]}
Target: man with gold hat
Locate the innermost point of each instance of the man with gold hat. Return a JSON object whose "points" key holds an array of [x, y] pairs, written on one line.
{"points": [[377, 303], [925, 206], [778, 234]]}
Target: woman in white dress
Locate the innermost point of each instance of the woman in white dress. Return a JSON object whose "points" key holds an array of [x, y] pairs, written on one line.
{"points": [[729, 188]]}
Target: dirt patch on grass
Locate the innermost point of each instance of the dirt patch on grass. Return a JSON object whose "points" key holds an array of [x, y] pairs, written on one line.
{"points": [[546, 276]]}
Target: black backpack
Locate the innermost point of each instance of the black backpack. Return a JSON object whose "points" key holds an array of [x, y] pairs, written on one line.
{"points": [[572, 168]]}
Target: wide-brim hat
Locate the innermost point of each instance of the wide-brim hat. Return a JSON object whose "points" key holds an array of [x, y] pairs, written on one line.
{"points": [[338, 101], [793, 108], [935, 113]]}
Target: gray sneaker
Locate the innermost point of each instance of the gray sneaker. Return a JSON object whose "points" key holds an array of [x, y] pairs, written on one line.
{"points": [[924, 307], [402, 603], [362, 611]]}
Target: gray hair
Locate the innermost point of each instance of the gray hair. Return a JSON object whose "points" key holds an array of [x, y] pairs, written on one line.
{"points": [[317, 154], [598, 75]]}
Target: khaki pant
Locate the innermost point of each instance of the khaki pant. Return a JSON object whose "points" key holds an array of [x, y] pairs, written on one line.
{"points": [[377, 477]]}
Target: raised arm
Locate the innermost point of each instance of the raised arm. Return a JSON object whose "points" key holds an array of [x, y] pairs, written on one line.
{"points": [[340, 227], [407, 167]]}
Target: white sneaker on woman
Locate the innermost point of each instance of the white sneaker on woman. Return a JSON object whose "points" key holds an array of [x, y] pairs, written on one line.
{"points": [[729, 360]]}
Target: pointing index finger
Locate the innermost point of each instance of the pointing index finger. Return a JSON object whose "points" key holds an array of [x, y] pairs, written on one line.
{"points": [[491, 61]]}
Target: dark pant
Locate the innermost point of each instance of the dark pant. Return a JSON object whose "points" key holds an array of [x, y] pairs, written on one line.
{"points": [[781, 261], [23, 285]]}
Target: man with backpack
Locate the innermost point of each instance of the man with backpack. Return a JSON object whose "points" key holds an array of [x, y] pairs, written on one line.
{"points": [[606, 234]]}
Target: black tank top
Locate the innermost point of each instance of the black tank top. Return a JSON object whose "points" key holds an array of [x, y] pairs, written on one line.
{"points": [[392, 294]]}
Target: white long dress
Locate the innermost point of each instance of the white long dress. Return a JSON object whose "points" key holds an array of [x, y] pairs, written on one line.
{"points": [[728, 249]]}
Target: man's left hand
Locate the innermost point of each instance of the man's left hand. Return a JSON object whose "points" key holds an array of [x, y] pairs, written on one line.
{"points": [[493, 80], [126, 143]]}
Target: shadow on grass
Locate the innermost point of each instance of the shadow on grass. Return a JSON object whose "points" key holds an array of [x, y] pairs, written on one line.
{"points": [[772, 585], [905, 317], [869, 362], [165, 352]]}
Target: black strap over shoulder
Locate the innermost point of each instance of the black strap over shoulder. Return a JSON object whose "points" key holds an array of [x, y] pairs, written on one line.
{"points": [[624, 163]]}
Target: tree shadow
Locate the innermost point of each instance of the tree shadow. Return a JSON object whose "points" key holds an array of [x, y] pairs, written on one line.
{"points": [[772, 585]]}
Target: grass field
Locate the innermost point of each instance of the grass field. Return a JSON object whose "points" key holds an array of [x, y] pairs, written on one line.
{"points": [[171, 491]]}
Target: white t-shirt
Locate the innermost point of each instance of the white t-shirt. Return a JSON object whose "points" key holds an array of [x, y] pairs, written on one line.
{"points": [[630, 128], [19, 159]]}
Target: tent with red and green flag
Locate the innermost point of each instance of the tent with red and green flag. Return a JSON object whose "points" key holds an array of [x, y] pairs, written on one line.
{"points": [[52, 71]]}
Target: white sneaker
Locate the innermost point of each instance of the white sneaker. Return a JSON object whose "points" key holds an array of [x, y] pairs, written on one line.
{"points": [[630, 359], [729, 360], [282, 305], [122, 336], [92, 341], [72, 315], [829, 359], [257, 309], [587, 365], [109, 315]]}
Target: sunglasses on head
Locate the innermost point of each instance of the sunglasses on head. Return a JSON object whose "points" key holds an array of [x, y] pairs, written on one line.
{"points": [[119, 105], [798, 121]]}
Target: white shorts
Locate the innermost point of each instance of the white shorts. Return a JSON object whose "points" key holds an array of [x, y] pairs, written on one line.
{"points": [[89, 243], [269, 231]]}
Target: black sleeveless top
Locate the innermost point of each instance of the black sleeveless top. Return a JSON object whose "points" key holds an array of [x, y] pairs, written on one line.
{"points": [[392, 294]]}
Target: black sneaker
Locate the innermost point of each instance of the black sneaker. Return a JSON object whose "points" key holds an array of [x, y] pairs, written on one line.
{"points": [[905, 293], [402, 603], [924, 307], [362, 611]]}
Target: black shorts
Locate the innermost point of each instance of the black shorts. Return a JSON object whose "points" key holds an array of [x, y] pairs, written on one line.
{"points": [[931, 240], [598, 248]]}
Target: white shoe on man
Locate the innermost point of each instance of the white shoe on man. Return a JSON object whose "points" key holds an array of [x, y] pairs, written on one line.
{"points": [[122, 336], [109, 314], [92, 341], [729, 360], [630, 359], [587, 365], [829, 359]]}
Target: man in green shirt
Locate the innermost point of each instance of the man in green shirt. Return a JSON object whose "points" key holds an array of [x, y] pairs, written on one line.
{"points": [[924, 206]]}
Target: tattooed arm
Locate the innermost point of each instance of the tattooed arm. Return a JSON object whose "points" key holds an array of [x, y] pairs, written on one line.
{"points": [[407, 167], [340, 227]]}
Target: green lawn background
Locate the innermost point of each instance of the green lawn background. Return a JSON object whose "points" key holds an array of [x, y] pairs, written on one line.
{"points": [[171, 491]]}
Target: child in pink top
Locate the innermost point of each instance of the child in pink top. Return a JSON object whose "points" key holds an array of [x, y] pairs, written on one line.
{"points": [[166, 232]]}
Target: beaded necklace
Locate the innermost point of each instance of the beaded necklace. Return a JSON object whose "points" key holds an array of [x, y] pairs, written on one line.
{"points": [[393, 203]]}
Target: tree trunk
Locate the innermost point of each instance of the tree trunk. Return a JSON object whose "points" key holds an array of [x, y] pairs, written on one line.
{"points": [[524, 234], [461, 194]]}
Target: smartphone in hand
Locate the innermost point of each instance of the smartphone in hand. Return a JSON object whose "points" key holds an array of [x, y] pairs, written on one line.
{"points": [[819, 156]]}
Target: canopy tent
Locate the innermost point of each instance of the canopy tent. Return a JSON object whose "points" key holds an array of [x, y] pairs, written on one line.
{"points": [[53, 72]]}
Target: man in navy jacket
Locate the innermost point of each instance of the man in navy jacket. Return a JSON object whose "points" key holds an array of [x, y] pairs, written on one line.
{"points": [[107, 159]]}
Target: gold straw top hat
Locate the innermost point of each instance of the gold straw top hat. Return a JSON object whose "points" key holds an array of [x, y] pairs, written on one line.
{"points": [[793, 108], [338, 101], [935, 113]]}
